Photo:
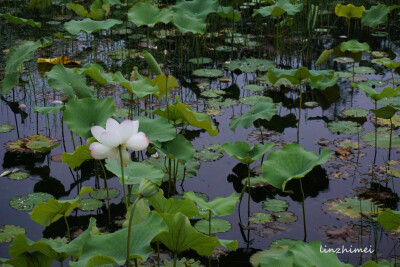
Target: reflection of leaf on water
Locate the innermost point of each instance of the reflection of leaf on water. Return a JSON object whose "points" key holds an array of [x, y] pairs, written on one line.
{"points": [[345, 233]]}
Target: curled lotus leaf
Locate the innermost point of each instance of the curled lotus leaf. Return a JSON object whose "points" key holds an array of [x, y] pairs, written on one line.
{"points": [[186, 23], [145, 13], [375, 16], [349, 11], [58, 60], [261, 110], [20, 21], [241, 151], [353, 207], [389, 219], [32, 144]]}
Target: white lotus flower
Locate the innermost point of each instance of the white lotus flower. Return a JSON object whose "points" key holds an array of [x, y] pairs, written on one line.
{"points": [[125, 135]]}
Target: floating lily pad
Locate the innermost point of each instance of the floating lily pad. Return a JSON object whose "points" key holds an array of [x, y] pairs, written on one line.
{"points": [[18, 176], [363, 70], [222, 103], [345, 127], [214, 111], [225, 48], [120, 54], [311, 104], [89, 204], [284, 216], [248, 65], [376, 83], [33, 143], [200, 60], [356, 112], [6, 128], [9, 232], [28, 202], [253, 87], [217, 226], [261, 218], [383, 139], [275, 205], [343, 60], [358, 79], [343, 74], [209, 73], [253, 99], [213, 93], [102, 193], [271, 229], [381, 121], [353, 207], [209, 154]]}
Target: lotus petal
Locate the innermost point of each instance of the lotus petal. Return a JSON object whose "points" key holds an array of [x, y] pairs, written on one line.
{"points": [[138, 142], [110, 138]]}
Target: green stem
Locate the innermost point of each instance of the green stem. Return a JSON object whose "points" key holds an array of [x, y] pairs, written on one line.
{"points": [[175, 259], [68, 232], [123, 177], [298, 120], [209, 233], [158, 253], [249, 190], [304, 212], [33, 84], [128, 243], [108, 194]]}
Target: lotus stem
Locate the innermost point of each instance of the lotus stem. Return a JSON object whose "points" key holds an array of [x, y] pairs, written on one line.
{"points": [[390, 138], [123, 177], [128, 243], [158, 253], [376, 133], [298, 120], [209, 234], [175, 259], [33, 84], [249, 190], [304, 212], [108, 193], [68, 232]]}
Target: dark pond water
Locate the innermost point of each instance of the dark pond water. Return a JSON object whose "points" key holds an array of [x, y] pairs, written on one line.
{"points": [[339, 178]]}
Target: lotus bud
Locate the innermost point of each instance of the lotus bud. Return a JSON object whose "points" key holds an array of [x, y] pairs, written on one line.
{"points": [[147, 188], [133, 76]]}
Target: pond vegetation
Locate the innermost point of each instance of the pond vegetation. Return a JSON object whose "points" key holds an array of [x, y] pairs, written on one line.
{"points": [[199, 133]]}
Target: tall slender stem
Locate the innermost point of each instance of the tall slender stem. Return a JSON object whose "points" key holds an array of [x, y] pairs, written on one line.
{"points": [[68, 232], [108, 194], [299, 119], [123, 177], [249, 190], [128, 243], [304, 212]]}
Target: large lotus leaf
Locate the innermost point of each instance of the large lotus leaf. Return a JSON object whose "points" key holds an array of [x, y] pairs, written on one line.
{"points": [[375, 95], [81, 114], [324, 57], [353, 207], [349, 11], [297, 254], [196, 8], [241, 150], [345, 127], [227, 12], [354, 46], [69, 82], [40, 4], [375, 16], [261, 110], [145, 13], [388, 63], [16, 57], [279, 8], [164, 85], [98, 10], [45, 213], [96, 72], [385, 112], [34, 259], [382, 141], [186, 23], [250, 65], [382, 263], [325, 82], [179, 148], [135, 172], [295, 76], [113, 246], [172, 206], [75, 159], [9, 232], [219, 206], [182, 236], [48, 110], [20, 21], [183, 113], [90, 26], [291, 162], [157, 130], [140, 88], [389, 219]]}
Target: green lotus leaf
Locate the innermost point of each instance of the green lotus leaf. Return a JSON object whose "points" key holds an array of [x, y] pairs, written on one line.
{"points": [[375, 16], [48, 110], [96, 72], [210, 153], [354, 46], [78, 9], [353, 207], [182, 236], [20, 21], [295, 76], [157, 130], [145, 13], [140, 212], [213, 93], [275, 205], [388, 63], [363, 70], [9, 232], [27, 259], [90, 204], [18, 176], [182, 113], [90, 26], [186, 170], [385, 112], [241, 151], [113, 248], [182, 263], [217, 226], [40, 4], [164, 85], [16, 57], [261, 110], [356, 112], [383, 140], [75, 159], [135, 172], [200, 60], [345, 127], [119, 54], [33, 143], [208, 73], [81, 114], [179, 148], [227, 12], [253, 99], [102, 193], [261, 218], [219, 206], [375, 95], [296, 254], [28, 202], [324, 83], [4, 128], [253, 87], [349, 11], [284, 216], [172, 206], [344, 60], [279, 8], [69, 82], [250, 65], [324, 57], [140, 88], [98, 10], [225, 48], [389, 219], [291, 162], [196, 8], [186, 23], [382, 263]]}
